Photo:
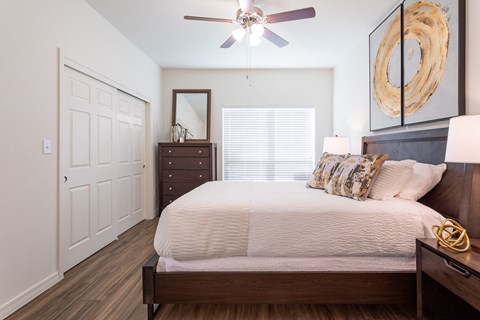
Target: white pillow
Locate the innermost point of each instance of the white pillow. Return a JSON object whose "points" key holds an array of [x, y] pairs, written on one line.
{"points": [[392, 178], [424, 178]]}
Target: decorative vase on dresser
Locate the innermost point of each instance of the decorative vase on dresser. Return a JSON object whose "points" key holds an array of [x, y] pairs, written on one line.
{"points": [[183, 167]]}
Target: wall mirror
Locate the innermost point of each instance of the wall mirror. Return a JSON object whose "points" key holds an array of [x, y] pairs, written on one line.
{"points": [[191, 110]]}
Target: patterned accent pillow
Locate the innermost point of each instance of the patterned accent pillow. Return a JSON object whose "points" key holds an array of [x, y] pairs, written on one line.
{"points": [[354, 177], [324, 170]]}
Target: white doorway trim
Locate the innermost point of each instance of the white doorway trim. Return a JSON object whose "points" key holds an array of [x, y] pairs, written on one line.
{"points": [[66, 58]]}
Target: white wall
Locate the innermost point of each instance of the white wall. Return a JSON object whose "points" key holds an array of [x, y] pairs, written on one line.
{"points": [[299, 87], [351, 85], [31, 31]]}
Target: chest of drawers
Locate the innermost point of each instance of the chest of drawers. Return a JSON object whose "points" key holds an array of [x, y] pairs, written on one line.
{"points": [[183, 167]]}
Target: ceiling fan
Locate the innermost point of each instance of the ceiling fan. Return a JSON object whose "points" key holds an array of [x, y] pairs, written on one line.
{"points": [[252, 23]]}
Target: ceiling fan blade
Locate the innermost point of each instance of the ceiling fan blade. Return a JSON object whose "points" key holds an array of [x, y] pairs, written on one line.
{"points": [[227, 44], [246, 6], [208, 19], [291, 15], [274, 38]]}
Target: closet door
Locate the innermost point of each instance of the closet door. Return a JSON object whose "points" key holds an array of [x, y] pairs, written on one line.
{"points": [[88, 167], [131, 146]]}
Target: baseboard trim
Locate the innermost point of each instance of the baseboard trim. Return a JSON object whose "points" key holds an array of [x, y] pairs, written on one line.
{"points": [[28, 295], [156, 213]]}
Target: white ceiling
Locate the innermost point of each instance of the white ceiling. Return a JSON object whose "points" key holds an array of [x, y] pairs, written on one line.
{"points": [[157, 27]]}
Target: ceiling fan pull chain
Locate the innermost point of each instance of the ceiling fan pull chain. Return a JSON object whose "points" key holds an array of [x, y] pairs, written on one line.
{"points": [[249, 64]]}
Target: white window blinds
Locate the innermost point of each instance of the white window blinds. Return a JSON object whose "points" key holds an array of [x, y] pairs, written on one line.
{"points": [[268, 144]]}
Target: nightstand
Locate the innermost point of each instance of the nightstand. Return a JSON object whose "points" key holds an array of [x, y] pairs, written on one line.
{"points": [[448, 282]]}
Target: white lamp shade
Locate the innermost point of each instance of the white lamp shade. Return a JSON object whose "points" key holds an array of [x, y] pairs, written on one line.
{"points": [[463, 143], [257, 30], [336, 145], [238, 34]]}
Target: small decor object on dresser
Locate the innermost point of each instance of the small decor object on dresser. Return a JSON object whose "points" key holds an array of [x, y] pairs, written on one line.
{"points": [[183, 167]]}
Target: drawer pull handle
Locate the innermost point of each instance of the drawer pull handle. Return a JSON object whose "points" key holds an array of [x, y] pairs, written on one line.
{"points": [[169, 151], [169, 175], [457, 268], [200, 163], [199, 151], [170, 188], [200, 176], [169, 162]]}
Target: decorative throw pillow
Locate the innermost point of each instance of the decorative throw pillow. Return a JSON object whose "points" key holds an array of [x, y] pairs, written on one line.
{"points": [[324, 170], [355, 175], [424, 178], [391, 179]]}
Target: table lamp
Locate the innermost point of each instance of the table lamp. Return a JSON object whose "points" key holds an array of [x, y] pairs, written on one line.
{"points": [[463, 146], [463, 143], [336, 145]]}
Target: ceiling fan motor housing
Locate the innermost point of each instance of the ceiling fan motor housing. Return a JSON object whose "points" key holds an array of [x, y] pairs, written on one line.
{"points": [[248, 19]]}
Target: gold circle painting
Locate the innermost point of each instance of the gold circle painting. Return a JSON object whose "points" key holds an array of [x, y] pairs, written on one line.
{"points": [[387, 95], [427, 24]]}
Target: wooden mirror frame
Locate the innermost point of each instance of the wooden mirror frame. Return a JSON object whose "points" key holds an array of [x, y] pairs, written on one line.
{"points": [[193, 91]]}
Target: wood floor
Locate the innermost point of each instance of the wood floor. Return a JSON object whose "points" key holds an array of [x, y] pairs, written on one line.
{"points": [[108, 286]]}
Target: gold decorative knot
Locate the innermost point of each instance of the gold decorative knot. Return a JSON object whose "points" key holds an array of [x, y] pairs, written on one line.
{"points": [[452, 235]]}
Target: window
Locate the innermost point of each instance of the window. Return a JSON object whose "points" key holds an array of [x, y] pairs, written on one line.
{"points": [[268, 144]]}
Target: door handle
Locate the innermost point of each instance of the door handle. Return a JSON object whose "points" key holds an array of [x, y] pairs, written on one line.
{"points": [[143, 166], [65, 178]]}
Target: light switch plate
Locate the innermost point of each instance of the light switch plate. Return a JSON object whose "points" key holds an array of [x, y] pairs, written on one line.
{"points": [[47, 146]]}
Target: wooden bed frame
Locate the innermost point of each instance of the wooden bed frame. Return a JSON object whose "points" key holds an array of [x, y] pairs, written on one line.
{"points": [[329, 287]]}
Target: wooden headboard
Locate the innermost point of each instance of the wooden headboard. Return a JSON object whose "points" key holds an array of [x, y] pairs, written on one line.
{"points": [[457, 194]]}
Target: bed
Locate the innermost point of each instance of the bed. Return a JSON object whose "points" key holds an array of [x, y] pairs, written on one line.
{"points": [[167, 281]]}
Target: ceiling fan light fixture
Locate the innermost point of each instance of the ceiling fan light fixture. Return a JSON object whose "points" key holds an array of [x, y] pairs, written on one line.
{"points": [[238, 34], [252, 23], [257, 30], [254, 41]]}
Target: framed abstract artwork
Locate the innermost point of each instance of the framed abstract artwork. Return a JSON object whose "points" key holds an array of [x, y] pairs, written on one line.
{"points": [[434, 60], [417, 75], [386, 73]]}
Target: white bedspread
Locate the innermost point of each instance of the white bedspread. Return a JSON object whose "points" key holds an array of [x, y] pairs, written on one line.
{"points": [[285, 219]]}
